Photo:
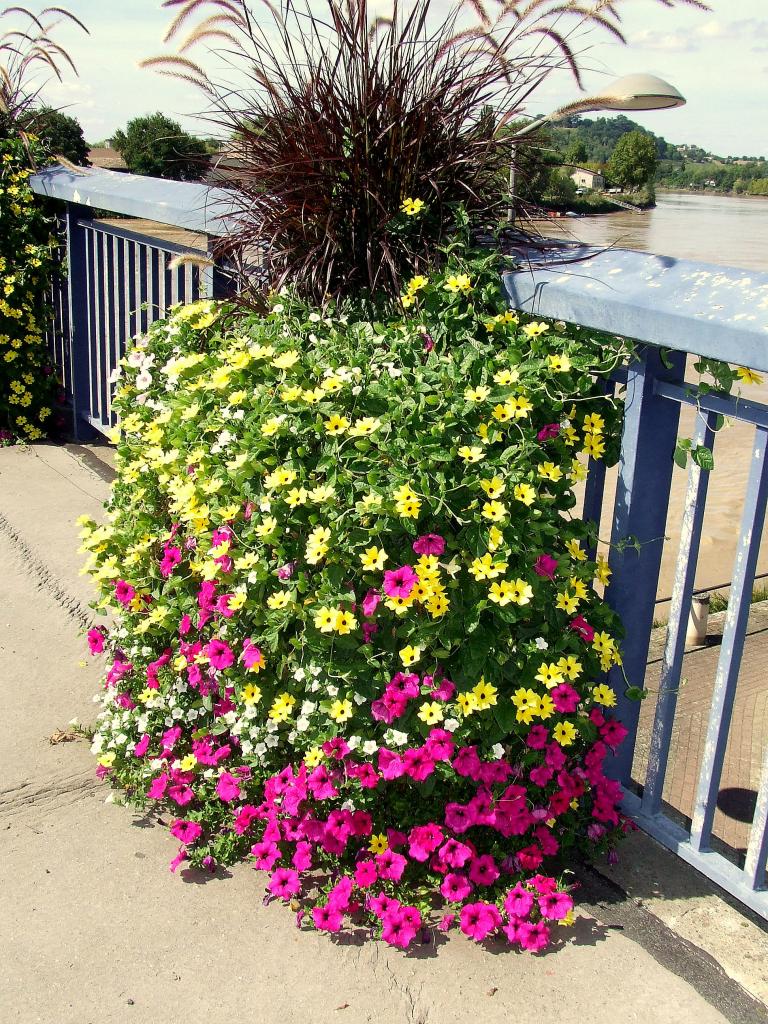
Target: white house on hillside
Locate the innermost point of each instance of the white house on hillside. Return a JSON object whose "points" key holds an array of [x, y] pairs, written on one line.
{"points": [[585, 178]]}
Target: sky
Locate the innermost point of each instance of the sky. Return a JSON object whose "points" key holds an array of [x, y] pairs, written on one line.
{"points": [[717, 59]]}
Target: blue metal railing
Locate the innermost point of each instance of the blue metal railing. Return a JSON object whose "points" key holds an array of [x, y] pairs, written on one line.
{"points": [[691, 309], [119, 282]]}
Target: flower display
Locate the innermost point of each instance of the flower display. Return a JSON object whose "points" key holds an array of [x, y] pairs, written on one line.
{"points": [[28, 385], [358, 635]]}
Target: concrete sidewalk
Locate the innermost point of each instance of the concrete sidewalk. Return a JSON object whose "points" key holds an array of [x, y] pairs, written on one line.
{"points": [[95, 930]]}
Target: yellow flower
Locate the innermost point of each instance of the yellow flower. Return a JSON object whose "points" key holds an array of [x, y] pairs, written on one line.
{"points": [[550, 675], [494, 487], [237, 600], [486, 569], [364, 426], [345, 623], [341, 710], [578, 471], [533, 330], [336, 424], [549, 471], [603, 694], [313, 757], [458, 283], [470, 454], [411, 207], [570, 667], [564, 733], [286, 359], [374, 558], [506, 377], [501, 593], [408, 508], [578, 587], [282, 707], [108, 759], [485, 695], [278, 600], [502, 413], [325, 619], [527, 703], [496, 511], [321, 493], [430, 712], [603, 573], [407, 301], [524, 493], [594, 423], [467, 703], [495, 538], [296, 496], [521, 592], [378, 843], [417, 283], [410, 655], [478, 394], [747, 376], [251, 693], [559, 363], [519, 406], [566, 602], [266, 527], [594, 446], [574, 550], [188, 763]]}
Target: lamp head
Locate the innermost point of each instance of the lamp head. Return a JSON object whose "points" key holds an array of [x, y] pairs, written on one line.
{"points": [[640, 92]]}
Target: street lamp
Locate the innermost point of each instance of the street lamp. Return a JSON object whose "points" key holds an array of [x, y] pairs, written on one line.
{"points": [[631, 92]]}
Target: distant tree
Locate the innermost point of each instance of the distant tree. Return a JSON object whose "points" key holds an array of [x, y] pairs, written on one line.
{"points": [[576, 153], [561, 189], [634, 160], [157, 146], [60, 134]]}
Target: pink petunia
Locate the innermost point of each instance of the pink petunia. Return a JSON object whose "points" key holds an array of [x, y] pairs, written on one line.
{"points": [[429, 544], [455, 887], [186, 831], [545, 565], [365, 873], [454, 853], [399, 927], [327, 919], [142, 746], [252, 656], [265, 855], [382, 904], [227, 788], [284, 883], [219, 654], [423, 840], [533, 937], [96, 640], [390, 865], [582, 627], [518, 902], [371, 602], [479, 920], [537, 737], [440, 745], [400, 582], [124, 593], [548, 431], [483, 870], [244, 818]]}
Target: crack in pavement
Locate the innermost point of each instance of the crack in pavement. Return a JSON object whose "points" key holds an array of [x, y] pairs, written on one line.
{"points": [[44, 579], [47, 796]]}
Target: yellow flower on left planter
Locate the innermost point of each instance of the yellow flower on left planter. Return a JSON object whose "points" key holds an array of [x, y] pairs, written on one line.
{"points": [[410, 655]]}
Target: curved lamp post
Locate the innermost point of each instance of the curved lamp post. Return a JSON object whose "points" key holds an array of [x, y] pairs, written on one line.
{"points": [[631, 92]]}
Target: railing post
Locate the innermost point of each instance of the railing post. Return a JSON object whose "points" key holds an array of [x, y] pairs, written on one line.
{"points": [[637, 537], [77, 294]]}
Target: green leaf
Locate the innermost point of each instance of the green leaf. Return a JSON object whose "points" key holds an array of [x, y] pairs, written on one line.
{"points": [[703, 457], [635, 693]]}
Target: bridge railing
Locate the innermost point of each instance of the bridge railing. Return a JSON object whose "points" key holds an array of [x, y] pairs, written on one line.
{"points": [[675, 309], [119, 281]]}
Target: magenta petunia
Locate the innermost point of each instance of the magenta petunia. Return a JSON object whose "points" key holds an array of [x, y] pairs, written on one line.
{"points": [[456, 887], [96, 640], [548, 431], [219, 654], [518, 902], [365, 873], [186, 831], [400, 582], [227, 788], [284, 883], [545, 565], [479, 920], [327, 919], [371, 602], [429, 544], [582, 627]]}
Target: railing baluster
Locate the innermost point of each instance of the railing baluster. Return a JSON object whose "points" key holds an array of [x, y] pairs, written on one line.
{"points": [[757, 851], [729, 662], [679, 611], [640, 514]]}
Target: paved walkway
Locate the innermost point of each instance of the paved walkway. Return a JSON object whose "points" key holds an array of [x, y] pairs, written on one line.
{"points": [[95, 930]]}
